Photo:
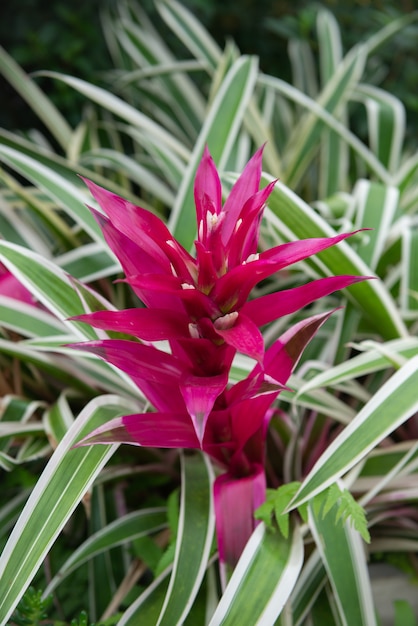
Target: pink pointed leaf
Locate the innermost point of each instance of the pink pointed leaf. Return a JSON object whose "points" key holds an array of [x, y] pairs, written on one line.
{"points": [[113, 431], [200, 394], [207, 189], [233, 289], [246, 186], [272, 306], [244, 240], [139, 254], [151, 369], [254, 385], [282, 357], [132, 220], [207, 275], [162, 430], [154, 430], [147, 324]]}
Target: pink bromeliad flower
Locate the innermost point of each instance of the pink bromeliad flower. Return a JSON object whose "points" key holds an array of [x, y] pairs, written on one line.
{"points": [[201, 304]]}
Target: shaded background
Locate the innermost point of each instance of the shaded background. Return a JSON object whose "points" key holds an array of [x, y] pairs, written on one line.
{"points": [[68, 37]]}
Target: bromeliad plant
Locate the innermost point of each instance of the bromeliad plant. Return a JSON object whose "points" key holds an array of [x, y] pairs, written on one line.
{"points": [[201, 306]]}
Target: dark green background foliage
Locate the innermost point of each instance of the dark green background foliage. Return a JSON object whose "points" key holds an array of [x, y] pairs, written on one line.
{"points": [[68, 37]]}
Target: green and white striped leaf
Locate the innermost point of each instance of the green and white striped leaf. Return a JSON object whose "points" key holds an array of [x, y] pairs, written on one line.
{"points": [[308, 586], [121, 163], [377, 357], [190, 31], [89, 263], [262, 580], [14, 223], [325, 120], [386, 124], [67, 196], [119, 532], [58, 419], [67, 169], [13, 429], [61, 487], [123, 110], [148, 606], [343, 555], [334, 161], [394, 403], [219, 132], [293, 219], [194, 539], [28, 320], [75, 369], [70, 373], [172, 87], [48, 283], [36, 99], [375, 206], [409, 275], [330, 45], [303, 67], [304, 141]]}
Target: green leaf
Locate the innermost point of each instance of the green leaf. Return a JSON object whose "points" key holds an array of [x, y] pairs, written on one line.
{"points": [[67, 196], [346, 509], [36, 99], [47, 282], [122, 109], [404, 614], [219, 132], [262, 580], [61, 487], [28, 320], [194, 539], [376, 357], [32, 609], [394, 403], [344, 560], [190, 31], [324, 120], [276, 502], [148, 605], [386, 124], [376, 206], [293, 219], [265, 512], [116, 533]]}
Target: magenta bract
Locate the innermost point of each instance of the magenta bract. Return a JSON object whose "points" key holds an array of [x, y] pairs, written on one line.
{"points": [[201, 306]]}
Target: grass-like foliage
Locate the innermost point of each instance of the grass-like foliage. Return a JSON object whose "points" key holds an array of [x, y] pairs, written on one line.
{"points": [[89, 313]]}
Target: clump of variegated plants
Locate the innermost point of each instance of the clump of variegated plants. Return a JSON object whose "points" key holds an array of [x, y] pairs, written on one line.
{"points": [[141, 546]]}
